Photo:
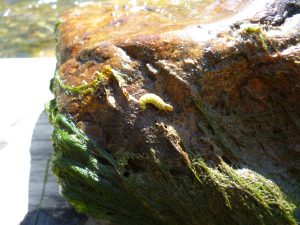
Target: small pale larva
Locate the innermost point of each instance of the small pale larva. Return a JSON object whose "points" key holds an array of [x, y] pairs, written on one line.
{"points": [[154, 100]]}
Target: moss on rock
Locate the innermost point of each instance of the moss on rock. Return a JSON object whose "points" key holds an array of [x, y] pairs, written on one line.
{"points": [[94, 181], [227, 152]]}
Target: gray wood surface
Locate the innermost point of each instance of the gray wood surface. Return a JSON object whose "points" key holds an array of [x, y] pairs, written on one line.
{"points": [[25, 148], [45, 204]]}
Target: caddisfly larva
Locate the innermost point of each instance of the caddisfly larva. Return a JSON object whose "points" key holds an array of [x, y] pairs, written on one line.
{"points": [[154, 100]]}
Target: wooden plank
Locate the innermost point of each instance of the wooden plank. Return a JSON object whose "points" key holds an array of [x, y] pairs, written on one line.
{"points": [[25, 148], [45, 202]]}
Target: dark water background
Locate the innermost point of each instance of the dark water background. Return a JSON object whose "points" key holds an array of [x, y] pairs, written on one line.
{"points": [[27, 26]]}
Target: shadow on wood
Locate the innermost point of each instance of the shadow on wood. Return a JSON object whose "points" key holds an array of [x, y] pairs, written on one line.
{"points": [[46, 206]]}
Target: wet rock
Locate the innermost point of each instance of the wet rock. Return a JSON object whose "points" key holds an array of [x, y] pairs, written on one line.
{"points": [[227, 152]]}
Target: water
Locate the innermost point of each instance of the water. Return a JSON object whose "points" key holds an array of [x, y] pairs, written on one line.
{"points": [[27, 26]]}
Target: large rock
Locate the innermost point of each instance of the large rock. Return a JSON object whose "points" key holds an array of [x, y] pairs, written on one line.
{"points": [[226, 150]]}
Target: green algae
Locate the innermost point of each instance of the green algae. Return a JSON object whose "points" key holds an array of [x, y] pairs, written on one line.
{"points": [[85, 88], [93, 180], [259, 37]]}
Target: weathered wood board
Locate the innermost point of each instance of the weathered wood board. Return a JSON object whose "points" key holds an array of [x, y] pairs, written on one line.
{"points": [[25, 148]]}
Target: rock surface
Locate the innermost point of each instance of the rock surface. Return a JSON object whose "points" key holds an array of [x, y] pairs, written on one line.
{"points": [[228, 152]]}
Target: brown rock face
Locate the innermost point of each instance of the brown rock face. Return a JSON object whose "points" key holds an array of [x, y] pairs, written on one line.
{"points": [[230, 146]]}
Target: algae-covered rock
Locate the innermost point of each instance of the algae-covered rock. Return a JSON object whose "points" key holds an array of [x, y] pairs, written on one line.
{"points": [[179, 123]]}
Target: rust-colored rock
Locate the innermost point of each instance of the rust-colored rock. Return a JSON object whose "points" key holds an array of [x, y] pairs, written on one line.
{"points": [[228, 152]]}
